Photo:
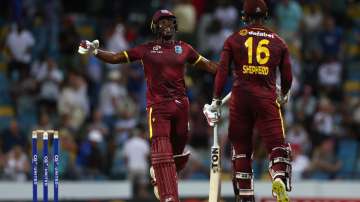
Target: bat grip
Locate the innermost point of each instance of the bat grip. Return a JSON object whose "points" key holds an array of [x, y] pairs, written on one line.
{"points": [[226, 99], [215, 135]]}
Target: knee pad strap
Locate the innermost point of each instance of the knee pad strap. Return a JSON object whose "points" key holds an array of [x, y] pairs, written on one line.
{"points": [[181, 160], [238, 179], [243, 176], [159, 158]]}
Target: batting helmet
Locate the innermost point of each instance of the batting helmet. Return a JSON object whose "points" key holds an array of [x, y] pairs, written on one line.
{"points": [[159, 15], [255, 8]]}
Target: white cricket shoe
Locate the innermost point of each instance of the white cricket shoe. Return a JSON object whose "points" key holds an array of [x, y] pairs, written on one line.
{"points": [[279, 190]]}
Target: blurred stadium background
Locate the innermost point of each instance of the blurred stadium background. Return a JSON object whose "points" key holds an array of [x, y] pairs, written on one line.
{"points": [[99, 109]]}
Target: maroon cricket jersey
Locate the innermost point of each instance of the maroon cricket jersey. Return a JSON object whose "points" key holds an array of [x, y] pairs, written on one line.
{"points": [[164, 65], [256, 52]]}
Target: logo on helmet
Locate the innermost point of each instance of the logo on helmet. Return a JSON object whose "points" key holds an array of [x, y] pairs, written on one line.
{"points": [[165, 12], [168, 199]]}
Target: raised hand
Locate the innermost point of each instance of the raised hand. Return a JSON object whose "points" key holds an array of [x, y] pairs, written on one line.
{"points": [[86, 47]]}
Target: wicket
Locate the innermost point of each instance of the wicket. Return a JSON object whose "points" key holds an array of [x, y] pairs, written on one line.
{"points": [[45, 136]]}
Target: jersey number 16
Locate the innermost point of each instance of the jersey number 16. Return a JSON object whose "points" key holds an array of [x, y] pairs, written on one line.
{"points": [[262, 52]]}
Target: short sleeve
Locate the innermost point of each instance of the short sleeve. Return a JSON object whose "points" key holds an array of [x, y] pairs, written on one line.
{"points": [[135, 53], [193, 56]]}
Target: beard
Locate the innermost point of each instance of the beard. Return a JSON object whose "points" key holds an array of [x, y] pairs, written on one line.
{"points": [[167, 33]]}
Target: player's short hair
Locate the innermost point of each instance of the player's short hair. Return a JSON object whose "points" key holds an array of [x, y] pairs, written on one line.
{"points": [[160, 14], [255, 9]]}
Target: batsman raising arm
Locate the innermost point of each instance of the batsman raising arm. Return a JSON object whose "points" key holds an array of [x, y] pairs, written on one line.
{"points": [[256, 53], [164, 62]]}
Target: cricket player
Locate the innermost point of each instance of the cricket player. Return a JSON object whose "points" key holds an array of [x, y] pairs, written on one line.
{"points": [[164, 62], [255, 53]]}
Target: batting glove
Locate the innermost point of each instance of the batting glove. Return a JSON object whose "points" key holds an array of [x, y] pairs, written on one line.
{"points": [[86, 47], [212, 117], [281, 99], [212, 112]]}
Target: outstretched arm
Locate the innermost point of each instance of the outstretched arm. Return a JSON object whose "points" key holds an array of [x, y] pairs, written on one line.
{"points": [[206, 65], [86, 47], [111, 57]]}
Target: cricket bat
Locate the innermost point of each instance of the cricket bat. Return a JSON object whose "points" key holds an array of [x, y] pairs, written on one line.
{"points": [[215, 167]]}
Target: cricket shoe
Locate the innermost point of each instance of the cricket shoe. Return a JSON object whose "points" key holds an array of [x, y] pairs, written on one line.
{"points": [[153, 182], [279, 190]]}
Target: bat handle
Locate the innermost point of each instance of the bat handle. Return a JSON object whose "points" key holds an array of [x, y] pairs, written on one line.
{"points": [[215, 135], [226, 98]]}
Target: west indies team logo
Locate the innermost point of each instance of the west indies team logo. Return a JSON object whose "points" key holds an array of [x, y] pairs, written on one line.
{"points": [[178, 49], [243, 32]]}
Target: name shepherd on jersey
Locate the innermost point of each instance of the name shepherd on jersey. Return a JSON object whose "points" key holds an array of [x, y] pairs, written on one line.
{"points": [[251, 69]]}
